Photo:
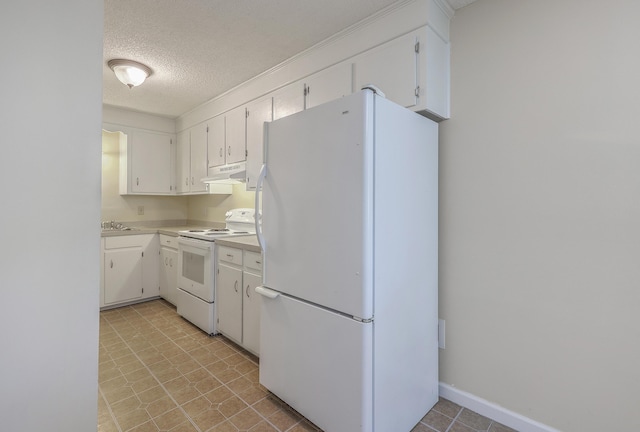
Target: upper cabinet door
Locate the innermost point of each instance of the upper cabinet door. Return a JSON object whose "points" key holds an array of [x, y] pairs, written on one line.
{"points": [[257, 114], [392, 67], [183, 163], [198, 159], [288, 100], [235, 135], [216, 143], [329, 84], [151, 163]]}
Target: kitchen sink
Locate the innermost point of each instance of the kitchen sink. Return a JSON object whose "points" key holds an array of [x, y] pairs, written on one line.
{"points": [[115, 226]]}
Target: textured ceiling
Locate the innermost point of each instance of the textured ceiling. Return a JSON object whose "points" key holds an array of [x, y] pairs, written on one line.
{"points": [[198, 49]]}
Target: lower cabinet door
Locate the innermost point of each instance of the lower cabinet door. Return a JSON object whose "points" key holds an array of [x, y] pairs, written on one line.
{"points": [[229, 302], [169, 275], [122, 275], [251, 313]]}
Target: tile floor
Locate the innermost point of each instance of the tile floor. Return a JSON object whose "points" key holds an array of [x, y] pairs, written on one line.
{"points": [[157, 372]]}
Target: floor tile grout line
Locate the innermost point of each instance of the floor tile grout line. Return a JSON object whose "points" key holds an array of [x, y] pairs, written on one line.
{"points": [[113, 417], [203, 366], [455, 419], [156, 378], [228, 344]]}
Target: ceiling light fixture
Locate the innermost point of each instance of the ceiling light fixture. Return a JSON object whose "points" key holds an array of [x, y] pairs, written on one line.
{"points": [[129, 72]]}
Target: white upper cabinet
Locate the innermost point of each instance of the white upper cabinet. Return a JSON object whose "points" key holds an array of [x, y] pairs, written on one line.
{"points": [[216, 143], [327, 85], [192, 160], [288, 100], [198, 160], [257, 114], [392, 67], [183, 162], [411, 70], [235, 135], [146, 163]]}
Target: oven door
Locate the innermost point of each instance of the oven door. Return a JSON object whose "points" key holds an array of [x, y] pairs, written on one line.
{"points": [[196, 262]]}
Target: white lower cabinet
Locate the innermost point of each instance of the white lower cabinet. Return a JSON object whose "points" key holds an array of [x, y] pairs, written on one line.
{"points": [[169, 268], [129, 269], [237, 304], [229, 296], [251, 309]]}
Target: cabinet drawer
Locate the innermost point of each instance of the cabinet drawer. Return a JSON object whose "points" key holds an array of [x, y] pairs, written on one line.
{"points": [[230, 255], [123, 241], [168, 241], [253, 261]]}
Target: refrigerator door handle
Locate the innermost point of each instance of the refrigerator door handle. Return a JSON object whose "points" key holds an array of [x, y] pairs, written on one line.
{"points": [[263, 174], [267, 292]]}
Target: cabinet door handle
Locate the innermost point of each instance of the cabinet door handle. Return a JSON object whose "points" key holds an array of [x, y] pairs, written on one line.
{"points": [[235, 286], [192, 182], [247, 290], [220, 151], [229, 151], [137, 181], [186, 181], [111, 263]]}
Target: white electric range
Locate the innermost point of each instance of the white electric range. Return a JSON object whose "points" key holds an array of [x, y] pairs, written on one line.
{"points": [[197, 260]]}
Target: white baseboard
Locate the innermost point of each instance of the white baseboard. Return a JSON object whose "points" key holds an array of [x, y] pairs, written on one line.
{"points": [[493, 411]]}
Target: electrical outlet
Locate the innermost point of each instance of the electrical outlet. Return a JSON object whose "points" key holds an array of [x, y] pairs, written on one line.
{"points": [[441, 333], [140, 210]]}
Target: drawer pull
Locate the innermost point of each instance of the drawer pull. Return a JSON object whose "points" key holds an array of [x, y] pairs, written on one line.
{"points": [[235, 286]]}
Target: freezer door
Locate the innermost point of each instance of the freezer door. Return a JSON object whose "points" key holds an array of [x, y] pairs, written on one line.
{"points": [[317, 205], [318, 362]]}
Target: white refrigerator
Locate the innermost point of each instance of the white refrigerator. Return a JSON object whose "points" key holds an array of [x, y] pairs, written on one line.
{"points": [[348, 326]]}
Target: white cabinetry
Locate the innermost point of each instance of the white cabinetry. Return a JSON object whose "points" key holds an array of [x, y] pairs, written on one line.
{"points": [[258, 113], [146, 163], [229, 293], [288, 100], [227, 137], [411, 70], [216, 143], [129, 269], [251, 278], [192, 159], [168, 268], [235, 135], [238, 307], [316, 89], [327, 85]]}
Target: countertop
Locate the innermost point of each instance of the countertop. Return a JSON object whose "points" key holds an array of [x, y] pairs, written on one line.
{"points": [[166, 230], [249, 242]]}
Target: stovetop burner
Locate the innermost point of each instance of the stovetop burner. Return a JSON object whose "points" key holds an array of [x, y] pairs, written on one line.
{"points": [[239, 222]]}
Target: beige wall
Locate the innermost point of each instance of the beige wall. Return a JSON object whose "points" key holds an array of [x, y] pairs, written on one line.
{"points": [[540, 211], [212, 208], [50, 169]]}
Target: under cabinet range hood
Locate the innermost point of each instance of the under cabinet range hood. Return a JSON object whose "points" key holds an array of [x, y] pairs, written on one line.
{"points": [[227, 174]]}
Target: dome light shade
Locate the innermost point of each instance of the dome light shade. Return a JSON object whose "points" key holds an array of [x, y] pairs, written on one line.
{"points": [[129, 72]]}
